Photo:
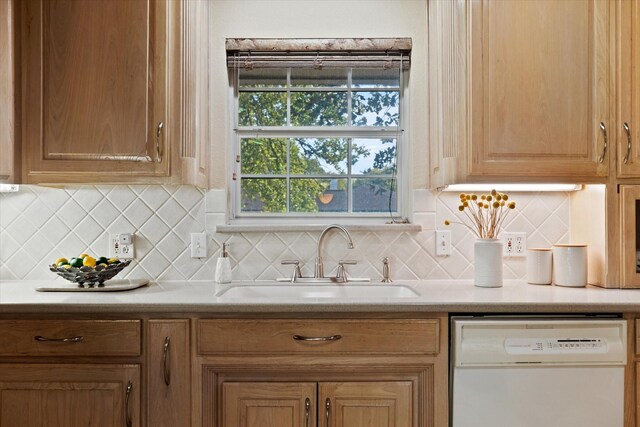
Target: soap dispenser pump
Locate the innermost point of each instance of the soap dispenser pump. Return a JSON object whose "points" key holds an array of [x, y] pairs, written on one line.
{"points": [[223, 266]]}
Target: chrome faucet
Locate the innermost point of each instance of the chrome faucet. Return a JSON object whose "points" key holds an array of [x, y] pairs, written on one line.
{"points": [[319, 270]]}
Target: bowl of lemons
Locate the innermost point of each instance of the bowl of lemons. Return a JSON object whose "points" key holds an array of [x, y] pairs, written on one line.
{"points": [[87, 270]]}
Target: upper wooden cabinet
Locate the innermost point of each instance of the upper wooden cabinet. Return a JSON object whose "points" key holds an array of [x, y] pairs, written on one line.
{"points": [[8, 148], [95, 82], [523, 93], [628, 123]]}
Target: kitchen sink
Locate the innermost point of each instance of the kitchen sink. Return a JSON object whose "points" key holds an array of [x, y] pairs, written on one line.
{"points": [[316, 291]]}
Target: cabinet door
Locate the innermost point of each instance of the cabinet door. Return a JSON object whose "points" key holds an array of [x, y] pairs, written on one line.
{"points": [[36, 395], [94, 85], [540, 78], [630, 242], [366, 404], [168, 373], [628, 126], [247, 404], [6, 93]]}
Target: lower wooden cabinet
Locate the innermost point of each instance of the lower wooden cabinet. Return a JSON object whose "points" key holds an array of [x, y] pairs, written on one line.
{"points": [[69, 395], [325, 404], [168, 373]]}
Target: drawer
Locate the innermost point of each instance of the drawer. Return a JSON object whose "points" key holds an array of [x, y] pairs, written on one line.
{"points": [[291, 336], [70, 337]]}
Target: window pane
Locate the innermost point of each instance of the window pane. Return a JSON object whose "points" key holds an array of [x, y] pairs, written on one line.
{"points": [[375, 77], [375, 108], [318, 108], [263, 195], [263, 156], [262, 109], [318, 156], [373, 156], [318, 195], [263, 77], [372, 195], [327, 77]]}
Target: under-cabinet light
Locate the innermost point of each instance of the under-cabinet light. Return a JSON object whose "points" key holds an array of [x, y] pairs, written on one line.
{"points": [[9, 188], [511, 187]]}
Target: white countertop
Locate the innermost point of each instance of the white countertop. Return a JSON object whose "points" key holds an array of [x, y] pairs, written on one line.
{"points": [[435, 296]]}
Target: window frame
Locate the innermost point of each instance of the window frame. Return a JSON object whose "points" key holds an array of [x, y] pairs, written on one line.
{"points": [[349, 132]]}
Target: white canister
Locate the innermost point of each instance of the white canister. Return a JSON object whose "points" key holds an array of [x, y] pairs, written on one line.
{"points": [[539, 262], [570, 265], [487, 263]]}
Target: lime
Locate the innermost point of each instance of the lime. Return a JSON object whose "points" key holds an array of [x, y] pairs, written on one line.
{"points": [[101, 260], [89, 261], [76, 262]]}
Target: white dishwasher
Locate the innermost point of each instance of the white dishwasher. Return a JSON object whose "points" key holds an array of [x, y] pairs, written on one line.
{"points": [[537, 371]]}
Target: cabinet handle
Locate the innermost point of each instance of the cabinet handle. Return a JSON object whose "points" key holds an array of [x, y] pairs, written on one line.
{"points": [[603, 128], [329, 338], [127, 405], [79, 338], [628, 132], [327, 406], [307, 406], [166, 374], [158, 144]]}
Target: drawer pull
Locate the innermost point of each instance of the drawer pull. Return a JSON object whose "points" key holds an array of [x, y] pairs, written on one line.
{"points": [[127, 405], [307, 407], [166, 374], [79, 338], [603, 155], [627, 130], [327, 406], [329, 338]]}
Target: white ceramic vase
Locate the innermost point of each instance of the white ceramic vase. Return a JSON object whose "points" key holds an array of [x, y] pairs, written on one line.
{"points": [[487, 263]]}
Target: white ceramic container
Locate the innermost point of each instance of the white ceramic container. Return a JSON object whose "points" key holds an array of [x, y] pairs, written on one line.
{"points": [[539, 266], [570, 265], [487, 263]]}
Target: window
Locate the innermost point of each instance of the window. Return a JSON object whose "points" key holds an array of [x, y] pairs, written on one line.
{"points": [[317, 141]]}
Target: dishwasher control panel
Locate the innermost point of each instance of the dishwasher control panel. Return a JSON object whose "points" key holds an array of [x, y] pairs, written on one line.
{"points": [[555, 345]]}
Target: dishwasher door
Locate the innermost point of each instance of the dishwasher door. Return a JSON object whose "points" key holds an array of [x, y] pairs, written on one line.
{"points": [[537, 372]]}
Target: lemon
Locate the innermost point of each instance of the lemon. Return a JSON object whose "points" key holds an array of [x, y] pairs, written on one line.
{"points": [[89, 261], [61, 261], [113, 261], [66, 265], [83, 256], [102, 264]]}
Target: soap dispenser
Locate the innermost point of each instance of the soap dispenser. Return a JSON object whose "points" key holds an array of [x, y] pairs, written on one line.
{"points": [[223, 267]]}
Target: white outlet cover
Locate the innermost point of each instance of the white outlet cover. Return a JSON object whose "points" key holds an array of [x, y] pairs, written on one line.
{"points": [[119, 250], [198, 245]]}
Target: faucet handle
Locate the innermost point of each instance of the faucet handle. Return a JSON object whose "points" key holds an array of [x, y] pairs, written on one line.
{"points": [[386, 271], [296, 269], [342, 273]]}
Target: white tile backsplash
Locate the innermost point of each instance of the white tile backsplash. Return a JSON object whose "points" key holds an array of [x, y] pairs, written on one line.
{"points": [[40, 224]]}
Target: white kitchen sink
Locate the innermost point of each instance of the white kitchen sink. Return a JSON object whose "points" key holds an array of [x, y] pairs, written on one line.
{"points": [[316, 291]]}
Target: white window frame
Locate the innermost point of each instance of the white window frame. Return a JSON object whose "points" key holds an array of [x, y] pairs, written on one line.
{"points": [[401, 187]]}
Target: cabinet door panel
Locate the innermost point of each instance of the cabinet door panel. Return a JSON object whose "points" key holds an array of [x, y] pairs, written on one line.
{"points": [[540, 88], [93, 74], [168, 373], [7, 120], [628, 126], [247, 404], [68, 395], [366, 404]]}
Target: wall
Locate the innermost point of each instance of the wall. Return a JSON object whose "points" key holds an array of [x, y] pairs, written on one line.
{"points": [[40, 224]]}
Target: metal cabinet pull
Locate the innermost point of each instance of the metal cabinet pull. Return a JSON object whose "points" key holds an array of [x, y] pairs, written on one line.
{"points": [[603, 128], [78, 338], [158, 144], [327, 406], [307, 407], [628, 132], [329, 338], [166, 374], [127, 405]]}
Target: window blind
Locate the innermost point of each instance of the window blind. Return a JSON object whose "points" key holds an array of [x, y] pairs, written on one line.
{"points": [[245, 53]]}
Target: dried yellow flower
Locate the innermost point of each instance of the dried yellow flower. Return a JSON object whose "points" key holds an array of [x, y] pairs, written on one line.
{"points": [[494, 192], [505, 197], [465, 204], [447, 222], [496, 205], [461, 208], [489, 198], [499, 197], [512, 205], [474, 197], [483, 197], [462, 196]]}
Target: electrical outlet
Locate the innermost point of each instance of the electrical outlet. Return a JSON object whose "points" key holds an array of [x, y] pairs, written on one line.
{"points": [[443, 242], [515, 244], [198, 245], [121, 246]]}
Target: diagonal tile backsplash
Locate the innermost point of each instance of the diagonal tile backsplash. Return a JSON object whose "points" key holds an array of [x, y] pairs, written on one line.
{"points": [[40, 224]]}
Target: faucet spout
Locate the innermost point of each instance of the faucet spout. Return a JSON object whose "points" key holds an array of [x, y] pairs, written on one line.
{"points": [[319, 270]]}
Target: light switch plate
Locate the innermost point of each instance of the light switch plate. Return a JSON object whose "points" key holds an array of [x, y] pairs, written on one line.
{"points": [[443, 242], [198, 245], [120, 250]]}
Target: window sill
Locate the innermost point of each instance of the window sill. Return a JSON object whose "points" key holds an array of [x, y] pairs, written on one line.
{"points": [[301, 227]]}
